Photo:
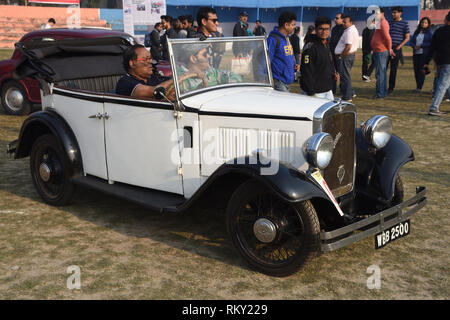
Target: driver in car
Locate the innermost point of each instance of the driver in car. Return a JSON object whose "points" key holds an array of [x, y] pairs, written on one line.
{"points": [[196, 70], [140, 82]]}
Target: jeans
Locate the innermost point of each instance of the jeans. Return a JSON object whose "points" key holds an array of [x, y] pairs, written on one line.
{"points": [[442, 85], [368, 64], [394, 66], [381, 59], [344, 66], [418, 62], [280, 85]]}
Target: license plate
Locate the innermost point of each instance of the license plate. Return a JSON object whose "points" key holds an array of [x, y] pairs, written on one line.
{"points": [[395, 232]]}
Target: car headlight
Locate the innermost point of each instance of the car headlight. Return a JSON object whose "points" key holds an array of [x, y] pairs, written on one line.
{"points": [[318, 150], [377, 131]]}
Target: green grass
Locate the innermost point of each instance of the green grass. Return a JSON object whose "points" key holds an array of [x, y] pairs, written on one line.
{"points": [[126, 252]]}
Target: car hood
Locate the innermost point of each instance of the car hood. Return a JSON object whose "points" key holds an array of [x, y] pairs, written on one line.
{"points": [[258, 101]]}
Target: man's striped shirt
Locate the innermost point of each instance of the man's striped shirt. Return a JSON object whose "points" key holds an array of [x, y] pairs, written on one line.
{"points": [[397, 30]]}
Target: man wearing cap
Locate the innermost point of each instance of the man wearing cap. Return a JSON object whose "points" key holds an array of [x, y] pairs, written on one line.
{"points": [[197, 71], [241, 30]]}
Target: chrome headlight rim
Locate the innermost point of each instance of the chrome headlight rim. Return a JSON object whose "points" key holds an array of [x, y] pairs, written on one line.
{"points": [[377, 131], [318, 150]]}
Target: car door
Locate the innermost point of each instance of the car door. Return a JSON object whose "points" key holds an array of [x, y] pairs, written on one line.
{"points": [[142, 146], [83, 111]]}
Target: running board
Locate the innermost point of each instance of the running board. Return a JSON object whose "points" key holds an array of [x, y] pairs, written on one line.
{"points": [[152, 199]]}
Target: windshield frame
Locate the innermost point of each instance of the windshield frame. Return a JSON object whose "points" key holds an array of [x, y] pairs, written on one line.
{"points": [[180, 96]]}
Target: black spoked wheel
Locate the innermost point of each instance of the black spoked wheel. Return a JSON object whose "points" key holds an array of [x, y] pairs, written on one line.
{"points": [[51, 171], [274, 236]]}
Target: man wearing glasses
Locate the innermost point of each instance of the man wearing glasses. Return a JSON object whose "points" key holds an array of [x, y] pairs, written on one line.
{"points": [[139, 82], [207, 27], [317, 68]]}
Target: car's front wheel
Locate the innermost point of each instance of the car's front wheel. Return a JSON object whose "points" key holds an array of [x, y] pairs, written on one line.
{"points": [[277, 238], [14, 99], [50, 171]]}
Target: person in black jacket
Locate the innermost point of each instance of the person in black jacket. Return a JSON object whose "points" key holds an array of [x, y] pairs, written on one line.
{"points": [[166, 22], [188, 25], [155, 42], [317, 68], [368, 64], [241, 49], [336, 34], [259, 29], [295, 43]]}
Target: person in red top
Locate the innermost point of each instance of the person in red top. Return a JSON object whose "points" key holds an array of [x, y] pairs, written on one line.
{"points": [[382, 49]]}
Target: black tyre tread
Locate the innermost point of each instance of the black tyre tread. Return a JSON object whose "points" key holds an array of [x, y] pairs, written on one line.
{"points": [[309, 252], [26, 109], [69, 188]]}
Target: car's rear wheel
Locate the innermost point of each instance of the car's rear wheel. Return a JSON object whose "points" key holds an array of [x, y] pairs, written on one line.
{"points": [[14, 99], [277, 238], [50, 171]]}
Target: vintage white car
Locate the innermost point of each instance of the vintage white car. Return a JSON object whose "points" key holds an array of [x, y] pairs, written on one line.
{"points": [[296, 174]]}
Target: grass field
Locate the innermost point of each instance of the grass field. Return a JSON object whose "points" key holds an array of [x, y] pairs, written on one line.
{"points": [[127, 252]]}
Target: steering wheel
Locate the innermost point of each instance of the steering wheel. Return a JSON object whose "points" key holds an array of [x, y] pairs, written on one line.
{"points": [[188, 75]]}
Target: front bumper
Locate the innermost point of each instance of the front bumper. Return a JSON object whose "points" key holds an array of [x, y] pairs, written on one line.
{"points": [[359, 230]]}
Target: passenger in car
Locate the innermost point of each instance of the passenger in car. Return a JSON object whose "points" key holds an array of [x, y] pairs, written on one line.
{"points": [[197, 71], [139, 81]]}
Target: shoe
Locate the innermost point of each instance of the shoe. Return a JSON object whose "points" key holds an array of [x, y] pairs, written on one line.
{"points": [[417, 90], [366, 79], [354, 95], [436, 113], [377, 98], [447, 100], [349, 100], [390, 91]]}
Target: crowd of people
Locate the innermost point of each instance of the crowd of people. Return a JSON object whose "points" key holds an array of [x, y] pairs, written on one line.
{"points": [[328, 53]]}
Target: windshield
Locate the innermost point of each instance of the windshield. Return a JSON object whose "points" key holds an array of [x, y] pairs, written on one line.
{"points": [[198, 65]]}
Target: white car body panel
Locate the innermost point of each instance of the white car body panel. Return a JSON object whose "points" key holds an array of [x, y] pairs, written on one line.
{"points": [[142, 147]]}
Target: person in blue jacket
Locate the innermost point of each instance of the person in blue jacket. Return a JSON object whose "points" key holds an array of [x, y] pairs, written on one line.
{"points": [[281, 53], [421, 42]]}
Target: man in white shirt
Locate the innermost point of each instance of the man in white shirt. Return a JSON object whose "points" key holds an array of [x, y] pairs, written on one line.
{"points": [[345, 57]]}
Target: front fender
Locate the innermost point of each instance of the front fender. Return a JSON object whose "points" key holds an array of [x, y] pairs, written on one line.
{"points": [[44, 122], [287, 182], [378, 170]]}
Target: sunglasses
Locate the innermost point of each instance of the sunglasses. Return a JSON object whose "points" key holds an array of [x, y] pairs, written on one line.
{"points": [[146, 59], [214, 20]]}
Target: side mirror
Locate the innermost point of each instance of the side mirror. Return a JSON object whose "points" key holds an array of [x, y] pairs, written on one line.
{"points": [[159, 93]]}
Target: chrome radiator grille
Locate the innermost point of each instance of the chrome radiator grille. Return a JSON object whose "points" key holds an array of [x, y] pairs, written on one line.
{"points": [[340, 122]]}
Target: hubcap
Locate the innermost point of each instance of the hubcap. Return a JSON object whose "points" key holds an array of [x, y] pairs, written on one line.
{"points": [[44, 172], [265, 230], [14, 98]]}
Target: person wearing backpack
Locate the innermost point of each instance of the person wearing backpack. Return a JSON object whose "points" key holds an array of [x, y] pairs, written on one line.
{"points": [[281, 53]]}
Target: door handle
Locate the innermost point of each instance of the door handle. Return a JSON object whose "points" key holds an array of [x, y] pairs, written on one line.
{"points": [[96, 116], [100, 116]]}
